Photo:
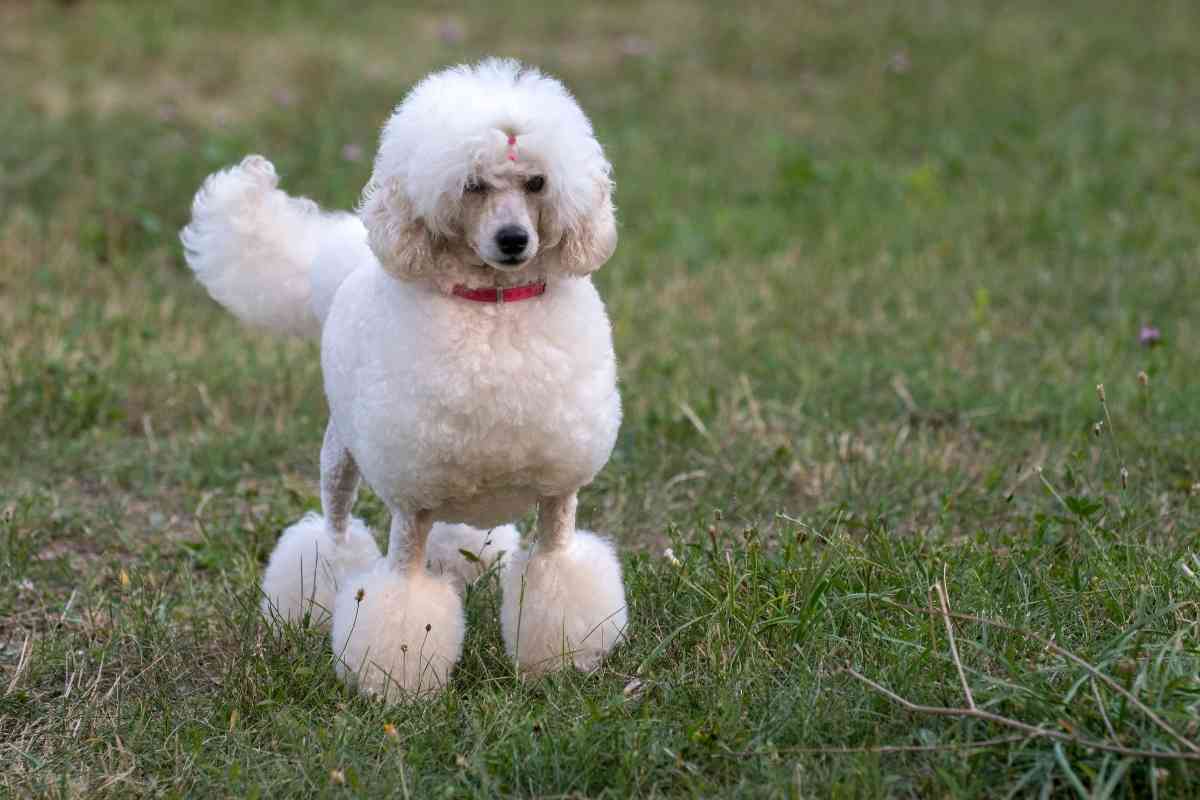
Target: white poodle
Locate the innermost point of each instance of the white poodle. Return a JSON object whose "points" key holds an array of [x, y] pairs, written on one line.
{"points": [[468, 365]]}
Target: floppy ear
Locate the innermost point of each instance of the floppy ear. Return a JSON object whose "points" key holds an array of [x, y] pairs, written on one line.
{"points": [[585, 247], [403, 244]]}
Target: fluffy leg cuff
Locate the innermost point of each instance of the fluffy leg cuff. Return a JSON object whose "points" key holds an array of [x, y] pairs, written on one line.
{"points": [[397, 635], [563, 606], [447, 543], [308, 566]]}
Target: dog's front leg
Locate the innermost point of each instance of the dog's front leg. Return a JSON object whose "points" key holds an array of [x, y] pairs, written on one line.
{"points": [[406, 540], [556, 522], [564, 601]]}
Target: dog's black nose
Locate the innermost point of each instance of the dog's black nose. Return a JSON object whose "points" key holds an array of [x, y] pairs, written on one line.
{"points": [[511, 239]]}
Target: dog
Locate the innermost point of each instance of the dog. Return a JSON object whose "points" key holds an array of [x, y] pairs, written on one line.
{"points": [[469, 368]]}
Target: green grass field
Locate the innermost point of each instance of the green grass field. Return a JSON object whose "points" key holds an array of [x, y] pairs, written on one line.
{"points": [[875, 259]]}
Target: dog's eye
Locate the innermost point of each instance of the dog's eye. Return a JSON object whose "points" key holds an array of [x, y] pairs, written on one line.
{"points": [[475, 187], [535, 184]]}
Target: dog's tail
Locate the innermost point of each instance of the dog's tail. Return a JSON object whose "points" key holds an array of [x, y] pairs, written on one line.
{"points": [[273, 260]]}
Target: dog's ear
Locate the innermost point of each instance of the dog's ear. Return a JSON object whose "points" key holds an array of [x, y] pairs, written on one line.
{"points": [[585, 246], [403, 244]]}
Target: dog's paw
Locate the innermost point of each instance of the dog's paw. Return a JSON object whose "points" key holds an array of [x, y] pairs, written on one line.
{"points": [[565, 606], [308, 566], [397, 635], [462, 553]]}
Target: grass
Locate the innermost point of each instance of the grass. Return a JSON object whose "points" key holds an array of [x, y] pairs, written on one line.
{"points": [[875, 259]]}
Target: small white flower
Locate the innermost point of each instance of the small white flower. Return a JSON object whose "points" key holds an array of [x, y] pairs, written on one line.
{"points": [[669, 555]]}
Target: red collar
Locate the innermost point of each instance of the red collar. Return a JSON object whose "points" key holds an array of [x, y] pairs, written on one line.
{"points": [[512, 294]]}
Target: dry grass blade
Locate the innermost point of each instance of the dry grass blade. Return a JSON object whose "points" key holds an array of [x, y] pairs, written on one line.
{"points": [[973, 711], [944, 600], [1031, 730], [1067, 654], [22, 665], [1108, 726], [892, 748]]}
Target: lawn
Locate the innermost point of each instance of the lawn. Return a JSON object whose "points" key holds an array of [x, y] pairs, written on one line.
{"points": [[875, 260]]}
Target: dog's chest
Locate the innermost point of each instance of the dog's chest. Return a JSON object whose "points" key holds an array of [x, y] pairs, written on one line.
{"points": [[444, 407], [508, 391]]}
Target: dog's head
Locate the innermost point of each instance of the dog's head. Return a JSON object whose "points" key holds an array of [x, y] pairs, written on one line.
{"points": [[490, 166]]}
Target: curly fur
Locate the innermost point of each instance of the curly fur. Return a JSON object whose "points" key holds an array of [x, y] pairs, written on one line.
{"points": [[397, 634], [456, 411], [447, 125], [487, 548], [563, 605], [253, 247], [308, 565]]}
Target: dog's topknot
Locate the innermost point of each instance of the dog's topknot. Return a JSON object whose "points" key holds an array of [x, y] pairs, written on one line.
{"points": [[449, 124]]}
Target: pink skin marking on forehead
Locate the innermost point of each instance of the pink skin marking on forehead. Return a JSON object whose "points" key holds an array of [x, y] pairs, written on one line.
{"points": [[512, 147]]}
